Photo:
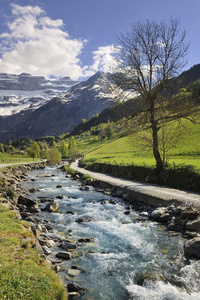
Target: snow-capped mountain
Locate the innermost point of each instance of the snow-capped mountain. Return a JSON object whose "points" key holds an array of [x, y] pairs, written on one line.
{"points": [[24, 91], [59, 115]]}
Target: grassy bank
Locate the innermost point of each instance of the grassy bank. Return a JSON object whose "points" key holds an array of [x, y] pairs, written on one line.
{"points": [[23, 273], [5, 158]]}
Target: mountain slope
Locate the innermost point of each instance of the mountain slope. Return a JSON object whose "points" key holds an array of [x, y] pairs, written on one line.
{"points": [[128, 108], [60, 114], [24, 91]]}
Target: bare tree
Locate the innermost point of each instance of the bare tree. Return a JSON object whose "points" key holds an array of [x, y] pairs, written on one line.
{"points": [[151, 54]]}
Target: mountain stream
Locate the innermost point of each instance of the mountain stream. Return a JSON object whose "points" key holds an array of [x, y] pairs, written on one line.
{"points": [[130, 257]]}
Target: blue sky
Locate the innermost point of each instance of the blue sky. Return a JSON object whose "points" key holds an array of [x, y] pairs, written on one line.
{"points": [[76, 38]]}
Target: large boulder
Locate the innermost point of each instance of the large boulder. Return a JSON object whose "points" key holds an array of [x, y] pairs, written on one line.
{"points": [[68, 246], [52, 206], [192, 248], [64, 255], [158, 213], [193, 225], [26, 201]]}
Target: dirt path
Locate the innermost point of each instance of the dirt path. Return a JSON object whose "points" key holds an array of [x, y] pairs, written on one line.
{"points": [[148, 193]]}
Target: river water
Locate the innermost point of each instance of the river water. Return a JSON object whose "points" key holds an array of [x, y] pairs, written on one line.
{"points": [[124, 248]]}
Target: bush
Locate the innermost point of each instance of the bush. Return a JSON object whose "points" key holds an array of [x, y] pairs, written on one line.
{"points": [[183, 177]]}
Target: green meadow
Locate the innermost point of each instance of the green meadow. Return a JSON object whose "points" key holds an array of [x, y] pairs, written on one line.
{"points": [[130, 149]]}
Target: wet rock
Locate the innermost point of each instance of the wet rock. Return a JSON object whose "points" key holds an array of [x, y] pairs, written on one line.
{"points": [[193, 225], [127, 212], [64, 255], [111, 201], [74, 287], [26, 201], [149, 276], [52, 206], [59, 186], [46, 250], [86, 188], [74, 296], [73, 272], [68, 246], [192, 248], [86, 240], [103, 202], [33, 190], [84, 219], [71, 212], [60, 197], [42, 175]]}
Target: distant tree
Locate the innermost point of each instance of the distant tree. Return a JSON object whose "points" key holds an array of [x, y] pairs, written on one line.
{"points": [[72, 149], [2, 150], [109, 131], [34, 150], [63, 149], [150, 55], [54, 156]]}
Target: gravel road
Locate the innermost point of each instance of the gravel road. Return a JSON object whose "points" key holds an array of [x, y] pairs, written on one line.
{"points": [[145, 192]]}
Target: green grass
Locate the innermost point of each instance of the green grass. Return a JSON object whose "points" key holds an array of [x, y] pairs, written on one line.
{"points": [[128, 151], [23, 273], [7, 158]]}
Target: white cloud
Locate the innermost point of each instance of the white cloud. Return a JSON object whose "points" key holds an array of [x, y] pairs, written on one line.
{"points": [[38, 45], [104, 59]]}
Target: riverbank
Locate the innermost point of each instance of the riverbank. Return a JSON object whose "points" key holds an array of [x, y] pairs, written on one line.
{"points": [[24, 273]]}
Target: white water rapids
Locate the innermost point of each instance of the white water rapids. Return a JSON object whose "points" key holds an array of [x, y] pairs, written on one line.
{"points": [[124, 250]]}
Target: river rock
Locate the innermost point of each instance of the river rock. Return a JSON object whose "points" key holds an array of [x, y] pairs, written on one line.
{"points": [[42, 175], [26, 201], [52, 206], [46, 250], [64, 255], [149, 276], [73, 272], [192, 248], [74, 287], [86, 240], [193, 225], [158, 212], [87, 188], [84, 219], [59, 186], [68, 246], [33, 190], [53, 236], [74, 296], [188, 214]]}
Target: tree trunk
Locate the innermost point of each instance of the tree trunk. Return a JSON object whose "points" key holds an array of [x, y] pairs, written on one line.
{"points": [[156, 153]]}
